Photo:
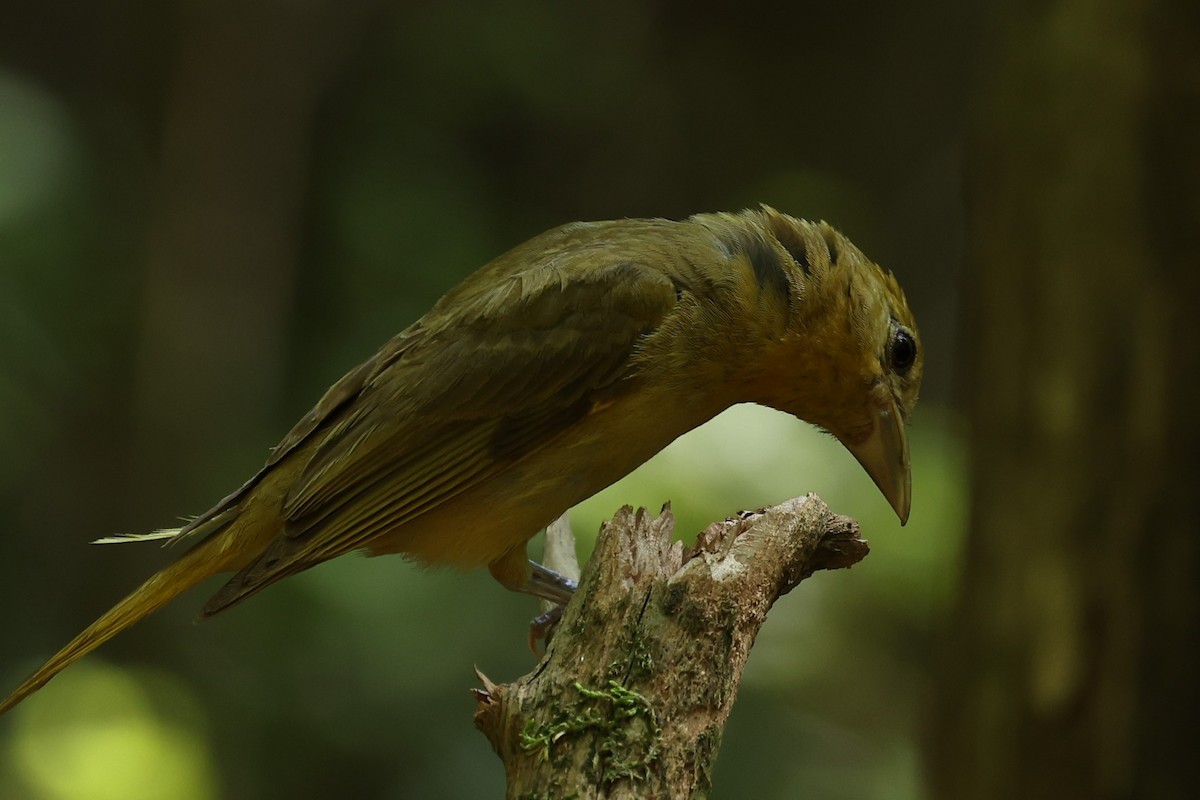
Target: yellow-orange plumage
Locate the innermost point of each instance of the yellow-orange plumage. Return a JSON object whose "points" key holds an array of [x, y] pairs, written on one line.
{"points": [[551, 372]]}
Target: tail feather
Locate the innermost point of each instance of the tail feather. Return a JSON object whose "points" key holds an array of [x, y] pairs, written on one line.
{"points": [[207, 558], [124, 538]]}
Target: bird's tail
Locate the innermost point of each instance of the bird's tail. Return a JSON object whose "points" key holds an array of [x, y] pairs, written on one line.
{"points": [[207, 558]]}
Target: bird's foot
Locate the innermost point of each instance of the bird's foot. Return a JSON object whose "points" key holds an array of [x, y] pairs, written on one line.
{"points": [[543, 628]]}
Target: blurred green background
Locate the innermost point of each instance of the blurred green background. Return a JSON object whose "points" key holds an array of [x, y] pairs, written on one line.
{"points": [[209, 211]]}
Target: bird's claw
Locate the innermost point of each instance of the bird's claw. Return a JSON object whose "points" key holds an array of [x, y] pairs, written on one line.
{"points": [[543, 627]]}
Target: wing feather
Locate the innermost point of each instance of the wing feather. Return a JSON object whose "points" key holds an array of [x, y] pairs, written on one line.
{"points": [[484, 379]]}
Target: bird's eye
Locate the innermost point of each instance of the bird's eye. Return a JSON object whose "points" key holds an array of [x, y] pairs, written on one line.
{"points": [[903, 351]]}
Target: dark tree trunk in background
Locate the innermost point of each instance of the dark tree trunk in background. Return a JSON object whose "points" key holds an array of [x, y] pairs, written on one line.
{"points": [[225, 228], [1071, 668]]}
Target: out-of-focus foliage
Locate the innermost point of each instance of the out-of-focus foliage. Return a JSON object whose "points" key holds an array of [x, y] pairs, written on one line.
{"points": [[210, 211], [108, 738]]}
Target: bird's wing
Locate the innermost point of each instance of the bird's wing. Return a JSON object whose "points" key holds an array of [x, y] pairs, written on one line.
{"points": [[457, 398], [328, 409]]}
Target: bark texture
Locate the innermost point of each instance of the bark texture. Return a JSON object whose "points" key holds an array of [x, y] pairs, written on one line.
{"points": [[639, 679]]}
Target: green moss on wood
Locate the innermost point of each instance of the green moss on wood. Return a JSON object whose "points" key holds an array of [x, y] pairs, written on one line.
{"points": [[622, 721]]}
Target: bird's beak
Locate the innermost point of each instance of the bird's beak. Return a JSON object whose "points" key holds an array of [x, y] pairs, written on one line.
{"points": [[884, 455]]}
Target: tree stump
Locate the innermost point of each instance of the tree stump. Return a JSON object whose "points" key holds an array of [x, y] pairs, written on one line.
{"points": [[633, 693]]}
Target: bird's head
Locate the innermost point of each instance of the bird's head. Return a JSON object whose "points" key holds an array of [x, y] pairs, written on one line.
{"points": [[850, 358]]}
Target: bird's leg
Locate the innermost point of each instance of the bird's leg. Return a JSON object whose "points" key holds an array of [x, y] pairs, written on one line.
{"points": [[518, 573], [549, 585], [557, 589]]}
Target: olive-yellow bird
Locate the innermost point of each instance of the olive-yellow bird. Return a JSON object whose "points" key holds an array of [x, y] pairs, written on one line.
{"points": [[544, 377]]}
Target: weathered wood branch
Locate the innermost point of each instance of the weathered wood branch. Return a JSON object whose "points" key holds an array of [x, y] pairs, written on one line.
{"points": [[639, 679]]}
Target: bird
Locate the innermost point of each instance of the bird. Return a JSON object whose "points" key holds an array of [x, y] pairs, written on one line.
{"points": [[542, 378]]}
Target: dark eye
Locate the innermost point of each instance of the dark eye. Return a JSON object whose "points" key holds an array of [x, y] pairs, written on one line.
{"points": [[903, 351]]}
